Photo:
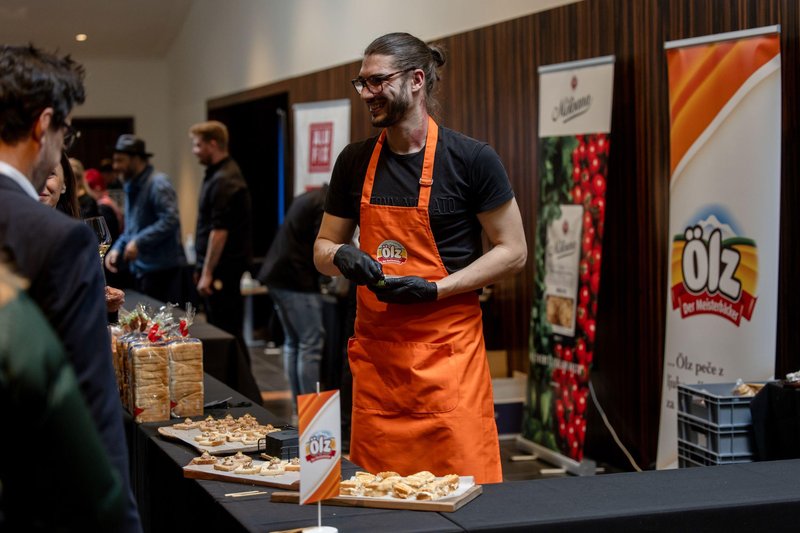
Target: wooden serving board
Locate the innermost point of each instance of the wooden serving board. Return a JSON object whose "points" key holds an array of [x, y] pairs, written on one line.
{"points": [[188, 435], [289, 480], [448, 504]]}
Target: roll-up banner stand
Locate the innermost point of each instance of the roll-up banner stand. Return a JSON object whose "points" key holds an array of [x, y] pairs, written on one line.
{"points": [[724, 219], [574, 127], [321, 131]]}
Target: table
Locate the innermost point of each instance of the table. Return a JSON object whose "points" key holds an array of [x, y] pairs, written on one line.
{"points": [[169, 502], [223, 357], [742, 497]]}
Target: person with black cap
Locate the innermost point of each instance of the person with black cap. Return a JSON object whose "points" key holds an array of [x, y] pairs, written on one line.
{"points": [[151, 242]]}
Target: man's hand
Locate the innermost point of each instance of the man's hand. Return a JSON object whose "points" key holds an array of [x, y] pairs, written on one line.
{"points": [[131, 251], [205, 285], [114, 299], [111, 261], [405, 290], [357, 266]]}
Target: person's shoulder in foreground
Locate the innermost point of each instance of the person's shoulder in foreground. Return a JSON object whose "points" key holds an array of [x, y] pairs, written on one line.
{"points": [[41, 394]]}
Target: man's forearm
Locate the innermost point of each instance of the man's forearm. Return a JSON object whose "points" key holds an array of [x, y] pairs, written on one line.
{"points": [[497, 263], [216, 243], [324, 250]]}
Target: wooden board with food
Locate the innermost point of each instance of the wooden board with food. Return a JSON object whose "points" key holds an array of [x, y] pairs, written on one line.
{"points": [[239, 468], [220, 436], [388, 490]]}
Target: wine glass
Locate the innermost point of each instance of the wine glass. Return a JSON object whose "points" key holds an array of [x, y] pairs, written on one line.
{"points": [[100, 229]]}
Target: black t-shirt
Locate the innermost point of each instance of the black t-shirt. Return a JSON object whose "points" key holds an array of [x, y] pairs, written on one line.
{"points": [[468, 178], [225, 204]]}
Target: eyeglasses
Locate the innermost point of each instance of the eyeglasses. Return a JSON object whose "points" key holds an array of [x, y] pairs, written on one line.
{"points": [[70, 136], [374, 84]]}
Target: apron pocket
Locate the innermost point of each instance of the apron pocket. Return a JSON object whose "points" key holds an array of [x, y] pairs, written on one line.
{"points": [[403, 377]]}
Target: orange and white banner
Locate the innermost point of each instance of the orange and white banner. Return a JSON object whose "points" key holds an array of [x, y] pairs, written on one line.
{"points": [[725, 154], [320, 446]]}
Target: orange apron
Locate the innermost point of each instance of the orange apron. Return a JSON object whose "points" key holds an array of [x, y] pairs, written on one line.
{"points": [[422, 393]]}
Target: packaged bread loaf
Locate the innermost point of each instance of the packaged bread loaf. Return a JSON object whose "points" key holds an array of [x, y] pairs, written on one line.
{"points": [[115, 332], [149, 364], [124, 342], [186, 376]]}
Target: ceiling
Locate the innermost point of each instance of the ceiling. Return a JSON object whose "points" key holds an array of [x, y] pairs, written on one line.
{"points": [[135, 29]]}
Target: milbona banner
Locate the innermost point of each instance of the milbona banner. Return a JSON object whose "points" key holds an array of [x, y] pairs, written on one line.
{"points": [[724, 220], [321, 131], [574, 127]]}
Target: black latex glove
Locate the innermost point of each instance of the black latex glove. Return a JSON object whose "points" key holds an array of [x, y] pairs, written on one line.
{"points": [[357, 266], [405, 290]]}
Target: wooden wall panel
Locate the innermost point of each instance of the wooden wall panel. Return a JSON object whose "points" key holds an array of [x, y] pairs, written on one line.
{"points": [[490, 91]]}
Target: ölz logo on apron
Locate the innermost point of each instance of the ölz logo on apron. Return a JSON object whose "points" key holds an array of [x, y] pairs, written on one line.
{"points": [[391, 252]]}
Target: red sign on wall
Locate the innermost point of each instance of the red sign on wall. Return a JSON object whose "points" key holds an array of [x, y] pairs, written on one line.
{"points": [[320, 147]]}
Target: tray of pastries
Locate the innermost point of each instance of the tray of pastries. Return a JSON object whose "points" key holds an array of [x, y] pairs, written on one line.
{"points": [[220, 435], [421, 491], [241, 468]]}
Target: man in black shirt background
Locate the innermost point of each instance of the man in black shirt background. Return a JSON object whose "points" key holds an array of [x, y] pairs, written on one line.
{"points": [[223, 235]]}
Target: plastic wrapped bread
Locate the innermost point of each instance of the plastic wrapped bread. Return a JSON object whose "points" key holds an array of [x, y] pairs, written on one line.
{"points": [[149, 364], [115, 332], [186, 376], [124, 343]]}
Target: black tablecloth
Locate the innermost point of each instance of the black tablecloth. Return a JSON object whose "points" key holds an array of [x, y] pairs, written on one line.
{"points": [[776, 422], [223, 357], [741, 497]]}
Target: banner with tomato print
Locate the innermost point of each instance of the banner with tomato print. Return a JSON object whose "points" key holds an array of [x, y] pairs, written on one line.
{"points": [[574, 127], [724, 220]]}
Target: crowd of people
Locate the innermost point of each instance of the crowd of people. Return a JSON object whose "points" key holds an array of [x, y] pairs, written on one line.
{"points": [[420, 379]]}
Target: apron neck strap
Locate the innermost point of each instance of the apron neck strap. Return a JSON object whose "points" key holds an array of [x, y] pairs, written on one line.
{"points": [[425, 180]]}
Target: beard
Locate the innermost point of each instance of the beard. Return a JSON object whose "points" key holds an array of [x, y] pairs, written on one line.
{"points": [[49, 156], [395, 110]]}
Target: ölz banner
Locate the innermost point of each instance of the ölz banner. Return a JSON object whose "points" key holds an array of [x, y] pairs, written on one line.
{"points": [[320, 445], [574, 126], [321, 131], [725, 153]]}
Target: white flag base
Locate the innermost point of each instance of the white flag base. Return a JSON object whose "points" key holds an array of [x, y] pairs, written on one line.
{"points": [[320, 529], [586, 467]]}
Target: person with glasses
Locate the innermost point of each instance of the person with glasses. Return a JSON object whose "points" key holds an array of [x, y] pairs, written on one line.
{"points": [[56, 253], [422, 196]]}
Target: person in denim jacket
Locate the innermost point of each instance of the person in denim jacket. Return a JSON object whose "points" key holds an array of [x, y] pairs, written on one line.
{"points": [[151, 242]]}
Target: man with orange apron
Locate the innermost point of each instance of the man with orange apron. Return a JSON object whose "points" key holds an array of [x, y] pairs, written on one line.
{"points": [[422, 393]]}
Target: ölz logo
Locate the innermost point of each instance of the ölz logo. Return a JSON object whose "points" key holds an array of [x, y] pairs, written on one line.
{"points": [[320, 446], [390, 251], [709, 267], [714, 271]]}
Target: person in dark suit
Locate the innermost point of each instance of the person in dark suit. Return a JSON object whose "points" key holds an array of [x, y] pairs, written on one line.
{"points": [[59, 255]]}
